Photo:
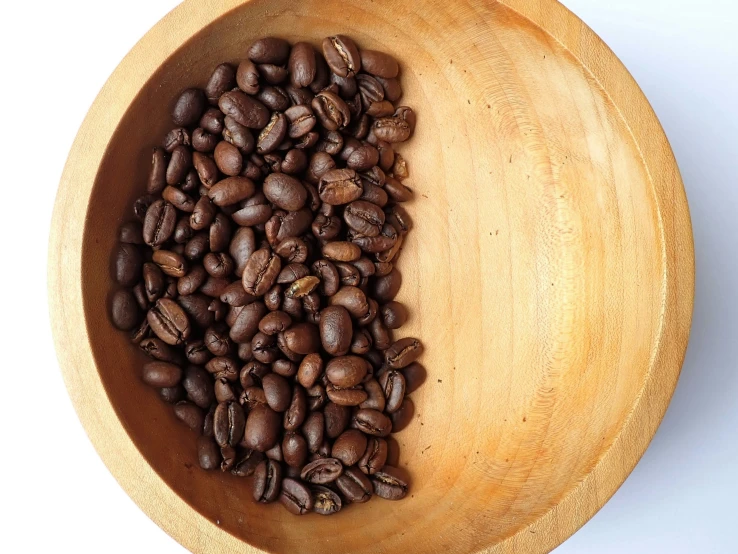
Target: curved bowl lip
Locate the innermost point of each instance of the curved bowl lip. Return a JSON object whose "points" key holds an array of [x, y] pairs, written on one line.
{"points": [[85, 387]]}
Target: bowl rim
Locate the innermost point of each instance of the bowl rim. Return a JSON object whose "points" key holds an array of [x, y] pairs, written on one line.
{"points": [[97, 415]]}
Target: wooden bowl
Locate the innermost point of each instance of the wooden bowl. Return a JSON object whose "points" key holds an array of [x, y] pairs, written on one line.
{"points": [[550, 275]]}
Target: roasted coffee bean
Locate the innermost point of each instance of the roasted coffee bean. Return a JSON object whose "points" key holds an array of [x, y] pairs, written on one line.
{"points": [[403, 352], [307, 141], [190, 283], [385, 288], [285, 368], [302, 338], [415, 375], [183, 232], [244, 109], [239, 136], [223, 367], [372, 422], [229, 424], [349, 447], [313, 430], [337, 418], [262, 428], [375, 456], [272, 74], [354, 485], [394, 315], [380, 334], [269, 50], [341, 251], [199, 386], [264, 348], [246, 462], [179, 136], [139, 296], [325, 501], [208, 453], [329, 278], [180, 163], [203, 142], [267, 481], [295, 161], [197, 353], [171, 263], [397, 191], [190, 415], [302, 64], [297, 410], [222, 80], [339, 186], [228, 453], [291, 273], [296, 497], [375, 396], [217, 341], [247, 77], [311, 367], [302, 287], [218, 265], [213, 121], [275, 453], [131, 232], [273, 298], [364, 217], [196, 307], [157, 174], [336, 330], [346, 371], [285, 192], [124, 311], [393, 385], [228, 158], [161, 217], [380, 109], [219, 232], [260, 272], [351, 298], [292, 250], [322, 471], [159, 350], [330, 109], [301, 120], [189, 107], [161, 374], [231, 191], [277, 392], [223, 391], [390, 483], [214, 286], [352, 396], [362, 158], [294, 449], [379, 64], [342, 55], [275, 322], [392, 88], [169, 322]]}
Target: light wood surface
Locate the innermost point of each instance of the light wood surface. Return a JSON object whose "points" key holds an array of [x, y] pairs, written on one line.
{"points": [[550, 275]]}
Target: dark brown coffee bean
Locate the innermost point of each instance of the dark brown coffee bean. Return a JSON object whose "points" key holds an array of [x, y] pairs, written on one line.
{"points": [[131, 232], [396, 128], [199, 386], [397, 191], [179, 164], [161, 217], [219, 233], [246, 110], [206, 169], [341, 251], [328, 275], [141, 205], [218, 265], [336, 330], [214, 286], [302, 64], [313, 429], [320, 163], [189, 107], [190, 415], [293, 250], [275, 453], [322, 471], [196, 306], [380, 109], [390, 483], [157, 174], [192, 281], [294, 449], [403, 352], [379, 64], [159, 350], [246, 463], [339, 186], [394, 315], [291, 273], [375, 396], [337, 418], [222, 80], [393, 384], [178, 199], [272, 74], [247, 77], [267, 481], [275, 322], [213, 121], [261, 271], [352, 396], [296, 497], [171, 263], [124, 310], [326, 228], [386, 287], [231, 190], [239, 136], [331, 110], [273, 298], [228, 158], [217, 341], [264, 348], [415, 375], [273, 134], [208, 453], [386, 155], [362, 158], [302, 338], [354, 485], [372, 422], [223, 391], [253, 215], [297, 410], [277, 392], [364, 217], [183, 232], [229, 424], [262, 428], [325, 501], [392, 88], [284, 191], [307, 141], [311, 367], [202, 142], [346, 371], [269, 50], [294, 224], [295, 161], [375, 456], [301, 119], [161, 374], [349, 447], [351, 298], [197, 353], [179, 136], [223, 367], [342, 55], [169, 322]]}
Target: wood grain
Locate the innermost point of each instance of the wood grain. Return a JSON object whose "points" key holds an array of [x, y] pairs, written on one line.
{"points": [[550, 274]]}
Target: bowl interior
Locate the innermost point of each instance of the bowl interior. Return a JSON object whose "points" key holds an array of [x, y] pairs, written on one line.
{"points": [[534, 275]]}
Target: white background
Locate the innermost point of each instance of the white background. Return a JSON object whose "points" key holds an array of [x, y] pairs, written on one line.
{"points": [[55, 493]]}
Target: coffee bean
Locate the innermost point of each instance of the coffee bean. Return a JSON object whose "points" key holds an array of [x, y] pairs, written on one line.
{"points": [[180, 163], [277, 392], [393, 384], [415, 375], [285, 192], [246, 463], [124, 311], [302, 338], [342, 55], [322, 471], [326, 501], [397, 191], [346, 371], [208, 453], [403, 352], [352, 396], [264, 348], [313, 430], [386, 287], [197, 353], [159, 223], [375, 396], [159, 350], [311, 367], [274, 323], [217, 341], [272, 74], [231, 190], [269, 50], [337, 418], [339, 186], [390, 483], [223, 367], [296, 497], [297, 410], [294, 449], [392, 88], [267, 481], [285, 368], [351, 298], [161, 374], [229, 424], [375, 456], [364, 217], [199, 386], [179, 136], [189, 107], [302, 64], [190, 415], [349, 447], [354, 485], [372, 422], [380, 334], [169, 322], [341, 251], [336, 330], [171, 263], [331, 111], [239, 136], [244, 109], [222, 80], [262, 428], [260, 272], [228, 158]]}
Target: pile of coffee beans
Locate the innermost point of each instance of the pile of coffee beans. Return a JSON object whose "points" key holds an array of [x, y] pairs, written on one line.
{"points": [[259, 274]]}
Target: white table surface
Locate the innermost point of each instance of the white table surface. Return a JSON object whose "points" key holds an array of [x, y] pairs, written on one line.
{"points": [[56, 494]]}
